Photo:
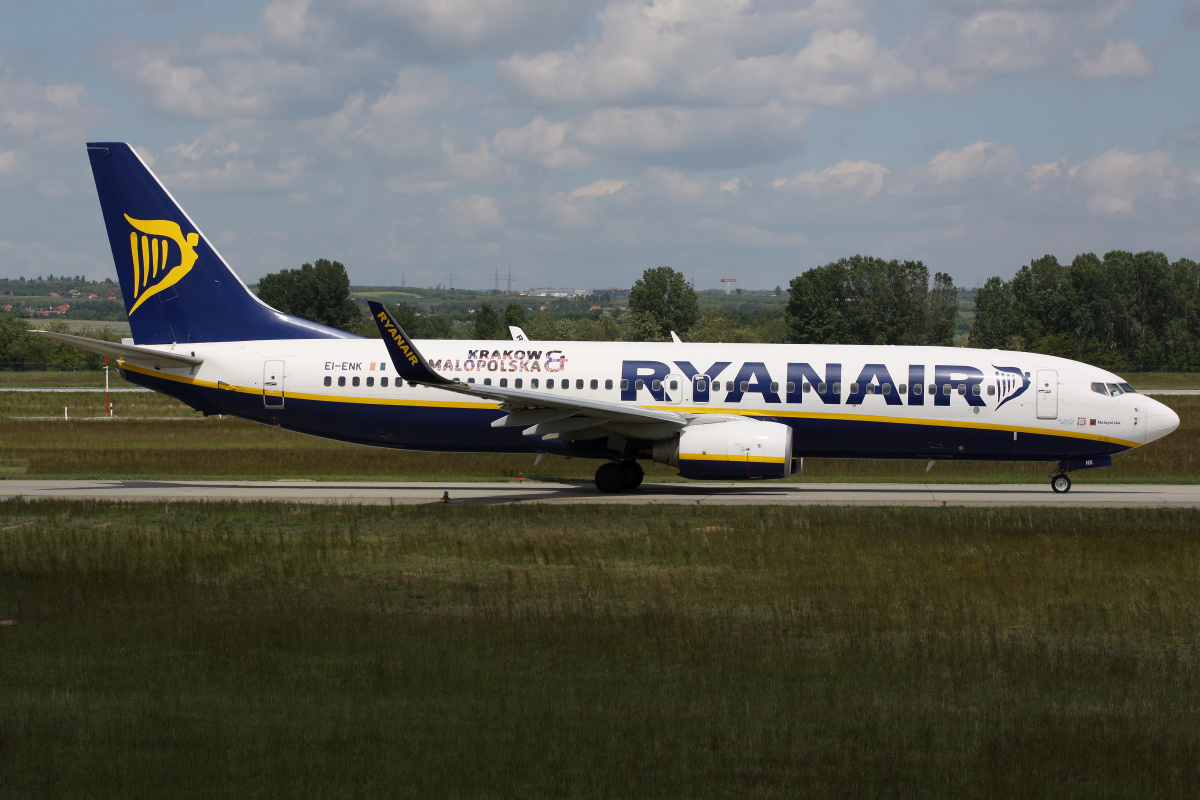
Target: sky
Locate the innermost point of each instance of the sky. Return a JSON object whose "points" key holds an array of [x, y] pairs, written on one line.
{"points": [[577, 143]]}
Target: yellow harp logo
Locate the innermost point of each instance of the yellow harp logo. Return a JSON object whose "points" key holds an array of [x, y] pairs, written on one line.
{"points": [[151, 252]]}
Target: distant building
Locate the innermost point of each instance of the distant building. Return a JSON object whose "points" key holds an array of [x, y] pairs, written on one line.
{"points": [[556, 293], [611, 291]]}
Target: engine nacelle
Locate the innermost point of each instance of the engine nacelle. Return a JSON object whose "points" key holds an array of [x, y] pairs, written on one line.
{"points": [[730, 450]]}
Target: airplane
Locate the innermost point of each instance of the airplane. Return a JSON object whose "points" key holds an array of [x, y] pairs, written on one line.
{"points": [[713, 411]]}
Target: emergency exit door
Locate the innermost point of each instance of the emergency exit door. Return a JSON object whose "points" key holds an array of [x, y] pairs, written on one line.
{"points": [[1047, 393]]}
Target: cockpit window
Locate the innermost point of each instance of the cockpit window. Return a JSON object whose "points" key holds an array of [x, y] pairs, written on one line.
{"points": [[1114, 389], [1125, 387], [1099, 388]]}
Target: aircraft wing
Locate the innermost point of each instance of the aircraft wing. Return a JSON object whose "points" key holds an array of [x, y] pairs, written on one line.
{"points": [[549, 416], [127, 352]]}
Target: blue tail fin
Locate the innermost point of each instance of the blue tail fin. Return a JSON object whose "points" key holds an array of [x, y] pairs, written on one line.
{"points": [[176, 286]]}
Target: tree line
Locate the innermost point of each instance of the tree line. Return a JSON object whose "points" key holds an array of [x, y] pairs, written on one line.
{"points": [[1123, 310]]}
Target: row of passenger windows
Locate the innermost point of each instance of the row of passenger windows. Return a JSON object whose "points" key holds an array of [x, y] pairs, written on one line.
{"points": [[355, 381], [702, 386]]}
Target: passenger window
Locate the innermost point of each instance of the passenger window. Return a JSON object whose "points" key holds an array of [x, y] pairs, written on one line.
{"points": [[918, 388], [729, 386], [487, 381], [564, 383], [854, 388], [991, 389], [370, 381], [354, 380], [470, 380], [774, 386], [579, 383], [595, 384], [791, 387], [639, 384], [745, 386], [383, 382], [504, 383], [341, 380], [837, 388], [533, 383], [962, 388], [821, 388], [701, 386], [945, 389], [328, 381], [673, 385], [624, 384], [975, 390], [549, 383], [870, 388], [902, 388], [608, 383], [655, 385], [518, 383], [887, 388]]}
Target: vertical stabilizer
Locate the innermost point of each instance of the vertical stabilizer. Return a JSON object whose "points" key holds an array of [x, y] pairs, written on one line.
{"points": [[177, 288]]}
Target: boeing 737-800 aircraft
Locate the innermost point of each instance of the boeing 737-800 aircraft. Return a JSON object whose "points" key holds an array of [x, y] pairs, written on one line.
{"points": [[716, 411]]}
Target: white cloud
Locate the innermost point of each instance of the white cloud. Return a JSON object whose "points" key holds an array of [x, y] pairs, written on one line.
{"points": [[475, 215], [1118, 179], [677, 135], [42, 131], [1122, 60], [973, 161], [600, 188], [541, 142], [859, 178], [980, 41]]}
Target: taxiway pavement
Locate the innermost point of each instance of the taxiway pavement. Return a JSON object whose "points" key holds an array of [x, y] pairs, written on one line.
{"points": [[464, 493]]}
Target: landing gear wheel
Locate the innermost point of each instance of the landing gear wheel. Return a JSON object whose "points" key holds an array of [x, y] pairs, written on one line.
{"points": [[612, 478], [1060, 483], [634, 472]]}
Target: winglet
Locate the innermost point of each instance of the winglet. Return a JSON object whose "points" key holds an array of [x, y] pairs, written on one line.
{"points": [[408, 361]]}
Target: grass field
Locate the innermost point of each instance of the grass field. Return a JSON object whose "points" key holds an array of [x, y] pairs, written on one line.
{"points": [[249, 650], [199, 448]]}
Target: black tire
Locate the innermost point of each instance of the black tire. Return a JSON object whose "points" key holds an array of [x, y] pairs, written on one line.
{"points": [[1060, 484], [635, 473], [612, 478]]}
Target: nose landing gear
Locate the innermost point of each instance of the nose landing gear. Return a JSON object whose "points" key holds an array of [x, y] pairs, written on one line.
{"points": [[1060, 483]]}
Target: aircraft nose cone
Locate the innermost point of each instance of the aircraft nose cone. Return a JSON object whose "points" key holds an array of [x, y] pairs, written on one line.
{"points": [[1160, 420]]}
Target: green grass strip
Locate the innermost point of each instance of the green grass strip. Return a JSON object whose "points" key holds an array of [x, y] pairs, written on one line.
{"points": [[256, 649]]}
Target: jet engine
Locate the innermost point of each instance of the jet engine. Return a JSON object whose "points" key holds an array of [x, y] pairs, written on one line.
{"points": [[733, 449]]}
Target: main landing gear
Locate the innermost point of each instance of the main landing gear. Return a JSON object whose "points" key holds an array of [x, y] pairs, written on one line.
{"points": [[619, 476]]}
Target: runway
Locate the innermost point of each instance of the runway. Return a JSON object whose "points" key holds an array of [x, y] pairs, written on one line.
{"points": [[464, 493]]}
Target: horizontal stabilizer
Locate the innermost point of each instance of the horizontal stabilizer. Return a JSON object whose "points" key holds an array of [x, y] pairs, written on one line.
{"points": [[126, 352]]}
